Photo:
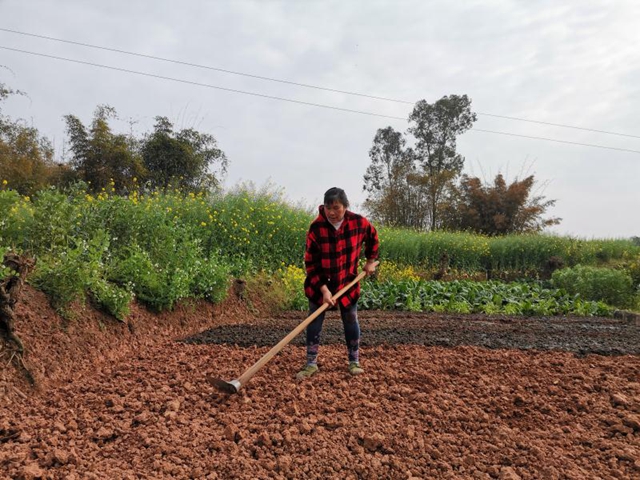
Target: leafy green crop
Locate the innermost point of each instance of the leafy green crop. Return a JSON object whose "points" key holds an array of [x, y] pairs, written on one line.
{"points": [[477, 297]]}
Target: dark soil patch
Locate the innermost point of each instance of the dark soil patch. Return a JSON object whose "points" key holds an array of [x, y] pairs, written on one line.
{"points": [[579, 335]]}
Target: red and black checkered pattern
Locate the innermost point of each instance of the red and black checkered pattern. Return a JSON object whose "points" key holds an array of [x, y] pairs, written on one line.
{"points": [[331, 256]]}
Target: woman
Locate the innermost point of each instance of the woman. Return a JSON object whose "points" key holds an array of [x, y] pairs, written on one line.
{"points": [[331, 258]]}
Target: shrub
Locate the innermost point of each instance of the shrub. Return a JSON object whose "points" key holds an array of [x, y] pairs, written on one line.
{"points": [[633, 269], [67, 276], [114, 299], [292, 279], [613, 287], [16, 218], [55, 223], [211, 280], [137, 269], [392, 271], [63, 279]]}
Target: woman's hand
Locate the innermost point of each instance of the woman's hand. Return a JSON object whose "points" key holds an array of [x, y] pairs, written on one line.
{"points": [[327, 296], [370, 266]]}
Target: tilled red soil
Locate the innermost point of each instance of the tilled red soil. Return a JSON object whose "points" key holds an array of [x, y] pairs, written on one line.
{"points": [[425, 412], [442, 397]]}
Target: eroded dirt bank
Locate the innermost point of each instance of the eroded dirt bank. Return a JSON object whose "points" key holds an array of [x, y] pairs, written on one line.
{"points": [[426, 412], [58, 350]]}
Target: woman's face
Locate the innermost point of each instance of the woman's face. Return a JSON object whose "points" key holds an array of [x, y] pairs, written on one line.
{"points": [[335, 212]]}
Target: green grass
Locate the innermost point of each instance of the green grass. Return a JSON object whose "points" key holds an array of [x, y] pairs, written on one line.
{"points": [[511, 256], [466, 252]]}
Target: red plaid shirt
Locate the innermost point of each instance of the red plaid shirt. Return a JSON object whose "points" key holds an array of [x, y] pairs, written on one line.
{"points": [[331, 256]]}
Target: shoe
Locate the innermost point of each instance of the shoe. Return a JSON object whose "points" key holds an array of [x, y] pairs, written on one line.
{"points": [[355, 368], [306, 372]]}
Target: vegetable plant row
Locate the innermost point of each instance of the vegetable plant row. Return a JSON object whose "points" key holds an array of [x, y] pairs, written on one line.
{"points": [[490, 297]]}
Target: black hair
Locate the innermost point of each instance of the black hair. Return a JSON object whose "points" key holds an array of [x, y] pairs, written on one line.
{"points": [[336, 194]]}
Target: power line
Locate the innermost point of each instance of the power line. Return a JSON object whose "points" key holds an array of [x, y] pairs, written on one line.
{"points": [[206, 67], [554, 140], [305, 85], [560, 125], [319, 105], [162, 77]]}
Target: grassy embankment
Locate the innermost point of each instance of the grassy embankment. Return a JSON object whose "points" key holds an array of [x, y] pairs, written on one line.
{"points": [[161, 247]]}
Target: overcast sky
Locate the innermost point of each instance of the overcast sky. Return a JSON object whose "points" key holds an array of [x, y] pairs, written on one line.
{"points": [[573, 63]]}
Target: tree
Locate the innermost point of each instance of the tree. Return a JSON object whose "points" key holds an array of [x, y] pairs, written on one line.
{"points": [[499, 209], [435, 128], [26, 157], [183, 159], [101, 157], [392, 200]]}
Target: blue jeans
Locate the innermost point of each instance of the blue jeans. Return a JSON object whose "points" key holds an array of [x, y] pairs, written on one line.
{"points": [[351, 332]]}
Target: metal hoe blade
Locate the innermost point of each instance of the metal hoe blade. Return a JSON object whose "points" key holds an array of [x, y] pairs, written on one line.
{"points": [[227, 387]]}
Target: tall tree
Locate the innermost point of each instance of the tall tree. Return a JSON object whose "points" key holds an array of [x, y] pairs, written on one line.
{"points": [[392, 199], [187, 159], [26, 157], [435, 128], [498, 208], [101, 156]]}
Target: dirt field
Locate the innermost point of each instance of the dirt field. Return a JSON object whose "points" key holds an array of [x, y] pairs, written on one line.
{"points": [[442, 397]]}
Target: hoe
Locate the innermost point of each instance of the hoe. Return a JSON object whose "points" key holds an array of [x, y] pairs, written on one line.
{"points": [[234, 385]]}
